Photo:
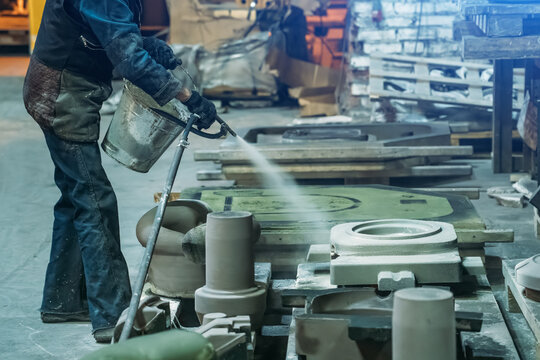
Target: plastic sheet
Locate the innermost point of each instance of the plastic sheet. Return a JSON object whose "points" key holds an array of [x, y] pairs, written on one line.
{"points": [[239, 68]]}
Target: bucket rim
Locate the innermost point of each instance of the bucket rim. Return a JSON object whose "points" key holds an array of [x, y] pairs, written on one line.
{"points": [[128, 87]]}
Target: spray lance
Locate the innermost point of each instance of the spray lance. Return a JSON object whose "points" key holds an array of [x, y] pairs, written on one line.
{"points": [[225, 128]]}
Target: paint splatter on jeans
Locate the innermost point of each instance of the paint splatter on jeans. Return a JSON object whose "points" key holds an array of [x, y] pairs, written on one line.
{"points": [[86, 271]]}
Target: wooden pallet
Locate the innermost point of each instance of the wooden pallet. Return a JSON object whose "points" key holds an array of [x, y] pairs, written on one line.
{"points": [[518, 303], [344, 173], [355, 165], [416, 70], [349, 173], [341, 153]]}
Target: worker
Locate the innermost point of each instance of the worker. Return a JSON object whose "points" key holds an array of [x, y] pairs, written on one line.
{"points": [[79, 44]]}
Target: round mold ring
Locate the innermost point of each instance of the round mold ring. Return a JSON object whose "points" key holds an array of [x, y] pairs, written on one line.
{"points": [[392, 236]]}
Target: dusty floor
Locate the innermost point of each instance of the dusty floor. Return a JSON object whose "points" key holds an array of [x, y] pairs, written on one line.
{"points": [[27, 195]]}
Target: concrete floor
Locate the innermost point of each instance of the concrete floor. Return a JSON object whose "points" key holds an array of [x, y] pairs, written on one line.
{"points": [[28, 193]]}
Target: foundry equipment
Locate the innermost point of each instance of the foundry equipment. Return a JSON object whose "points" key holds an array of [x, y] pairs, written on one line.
{"points": [[138, 135]]}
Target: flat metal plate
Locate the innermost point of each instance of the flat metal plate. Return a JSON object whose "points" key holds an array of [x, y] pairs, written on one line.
{"points": [[390, 134]]}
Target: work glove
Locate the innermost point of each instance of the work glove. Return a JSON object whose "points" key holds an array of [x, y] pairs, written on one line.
{"points": [[203, 107], [161, 52]]}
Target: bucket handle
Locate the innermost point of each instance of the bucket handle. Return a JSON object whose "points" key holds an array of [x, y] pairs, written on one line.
{"points": [[222, 132]]}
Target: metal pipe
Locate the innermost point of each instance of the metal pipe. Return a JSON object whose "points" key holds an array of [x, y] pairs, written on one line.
{"points": [[158, 219]]}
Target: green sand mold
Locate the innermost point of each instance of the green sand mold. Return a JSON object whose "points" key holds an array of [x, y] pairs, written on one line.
{"points": [[340, 204], [285, 240]]}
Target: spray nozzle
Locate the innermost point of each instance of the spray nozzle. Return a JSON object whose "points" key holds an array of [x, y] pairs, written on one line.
{"points": [[226, 126]]}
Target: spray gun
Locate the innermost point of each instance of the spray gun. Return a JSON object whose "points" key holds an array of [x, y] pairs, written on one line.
{"points": [[225, 128]]}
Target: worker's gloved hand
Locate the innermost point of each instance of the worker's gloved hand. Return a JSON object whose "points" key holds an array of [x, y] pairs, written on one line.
{"points": [[161, 52], [202, 107]]}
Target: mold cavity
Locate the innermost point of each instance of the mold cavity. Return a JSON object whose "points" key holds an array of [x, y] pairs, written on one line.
{"points": [[413, 201], [396, 229]]}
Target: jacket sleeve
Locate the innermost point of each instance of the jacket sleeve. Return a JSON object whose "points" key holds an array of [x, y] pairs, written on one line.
{"points": [[113, 24]]}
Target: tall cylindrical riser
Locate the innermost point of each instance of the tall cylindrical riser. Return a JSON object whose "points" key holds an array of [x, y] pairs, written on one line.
{"points": [[423, 325], [229, 251]]}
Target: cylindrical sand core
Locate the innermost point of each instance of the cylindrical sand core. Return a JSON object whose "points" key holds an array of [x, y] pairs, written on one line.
{"points": [[423, 325], [229, 251], [230, 281]]}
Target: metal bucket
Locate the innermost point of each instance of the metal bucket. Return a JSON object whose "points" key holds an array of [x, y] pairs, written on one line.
{"points": [[138, 136]]}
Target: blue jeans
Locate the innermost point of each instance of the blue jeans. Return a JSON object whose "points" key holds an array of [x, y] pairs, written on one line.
{"points": [[87, 271]]}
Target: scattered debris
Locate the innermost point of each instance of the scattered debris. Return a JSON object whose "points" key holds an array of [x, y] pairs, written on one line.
{"points": [[526, 186], [507, 196], [336, 119]]}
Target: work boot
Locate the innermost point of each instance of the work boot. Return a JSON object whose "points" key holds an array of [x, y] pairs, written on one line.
{"points": [[104, 335], [50, 318]]}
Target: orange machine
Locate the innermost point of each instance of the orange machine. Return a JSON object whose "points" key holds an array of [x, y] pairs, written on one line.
{"points": [[13, 23], [326, 33]]}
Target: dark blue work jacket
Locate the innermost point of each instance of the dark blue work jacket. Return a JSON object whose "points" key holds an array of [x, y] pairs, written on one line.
{"points": [[91, 37]]}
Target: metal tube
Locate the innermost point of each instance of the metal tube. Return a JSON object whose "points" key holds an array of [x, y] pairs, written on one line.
{"points": [[158, 219]]}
